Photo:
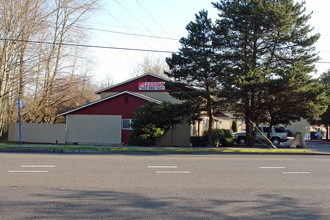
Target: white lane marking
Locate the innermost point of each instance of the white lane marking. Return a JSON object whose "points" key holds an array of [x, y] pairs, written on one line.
{"points": [[38, 166], [296, 172], [162, 167], [272, 167], [28, 171], [173, 172]]}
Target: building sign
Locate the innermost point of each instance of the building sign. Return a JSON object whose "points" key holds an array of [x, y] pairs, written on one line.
{"points": [[151, 85]]}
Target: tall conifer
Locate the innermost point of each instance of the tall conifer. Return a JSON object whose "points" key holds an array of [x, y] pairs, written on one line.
{"points": [[194, 67], [269, 53]]}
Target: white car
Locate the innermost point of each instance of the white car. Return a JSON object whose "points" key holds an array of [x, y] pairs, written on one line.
{"points": [[277, 135]]}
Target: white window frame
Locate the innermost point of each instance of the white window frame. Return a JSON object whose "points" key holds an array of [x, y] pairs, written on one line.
{"points": [[130, 123]]}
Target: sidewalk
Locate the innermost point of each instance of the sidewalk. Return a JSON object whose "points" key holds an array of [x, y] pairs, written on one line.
{"points": [[318, 146]]}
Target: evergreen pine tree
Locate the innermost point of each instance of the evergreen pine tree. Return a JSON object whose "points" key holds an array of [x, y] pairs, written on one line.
{"points": [[325, 117], [194, 67], [269, 52]]}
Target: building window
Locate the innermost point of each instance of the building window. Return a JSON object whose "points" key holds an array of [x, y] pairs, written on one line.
{"points": [[127, 124]]}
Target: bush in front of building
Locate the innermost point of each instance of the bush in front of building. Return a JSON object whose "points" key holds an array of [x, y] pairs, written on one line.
{"points": [[221, 137], [146, 136], [199, 141]]}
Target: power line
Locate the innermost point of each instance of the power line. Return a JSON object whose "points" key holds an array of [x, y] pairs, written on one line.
{"points": [[128, 28], [151, 34], [187, 94], [135, 28], [111, 45], [110, 31], [139, 22], [118, 32], [132, 15], [153, 19], [89, 46]]}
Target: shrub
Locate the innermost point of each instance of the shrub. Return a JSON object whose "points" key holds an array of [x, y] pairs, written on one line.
{"points": [[198, 141], [221, 137], [227, 142], [146, 136]]}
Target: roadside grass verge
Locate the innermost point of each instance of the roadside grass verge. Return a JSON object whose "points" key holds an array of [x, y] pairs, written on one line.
{"points": [[17, 144], [7, 143], [152, 149]]}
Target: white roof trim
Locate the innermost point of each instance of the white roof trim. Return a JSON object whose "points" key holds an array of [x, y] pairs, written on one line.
{"points": [[119, 84], [113, 96]]}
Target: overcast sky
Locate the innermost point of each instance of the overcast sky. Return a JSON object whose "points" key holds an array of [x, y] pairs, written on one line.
{"points": [[163, 22]]}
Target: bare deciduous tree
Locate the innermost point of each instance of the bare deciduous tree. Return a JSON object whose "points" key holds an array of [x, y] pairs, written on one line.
{"points": [[34, 63], [150, 64]]}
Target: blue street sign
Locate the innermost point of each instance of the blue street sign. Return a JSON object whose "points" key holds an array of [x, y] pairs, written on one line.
{"points": [[19, 102]]}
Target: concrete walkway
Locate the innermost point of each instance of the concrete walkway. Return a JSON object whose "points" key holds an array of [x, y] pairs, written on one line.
{"points": [[318, 146]]}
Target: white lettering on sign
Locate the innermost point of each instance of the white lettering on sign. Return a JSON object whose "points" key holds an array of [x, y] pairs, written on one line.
{"points": [[151, 85]]}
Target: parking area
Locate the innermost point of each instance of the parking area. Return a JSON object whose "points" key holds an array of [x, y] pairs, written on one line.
{"points": [[320, 146]]}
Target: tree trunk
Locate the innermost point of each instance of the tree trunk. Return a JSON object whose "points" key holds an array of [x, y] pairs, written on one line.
{"points": [[210, 142], [249, 132]]}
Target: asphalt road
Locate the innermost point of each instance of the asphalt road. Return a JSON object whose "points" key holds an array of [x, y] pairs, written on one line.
{"points": [[64, 186]]}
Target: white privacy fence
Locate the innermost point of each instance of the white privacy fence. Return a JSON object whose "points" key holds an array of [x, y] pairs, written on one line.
{"points": [[37, 133], [80, 129]]}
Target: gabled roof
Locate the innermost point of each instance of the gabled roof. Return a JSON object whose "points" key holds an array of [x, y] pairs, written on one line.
{"points": [[221, 115], [130, 80], [113, 96]]}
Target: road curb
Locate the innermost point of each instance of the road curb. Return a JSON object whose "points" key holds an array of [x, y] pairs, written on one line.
{"points": [[321, 141]]}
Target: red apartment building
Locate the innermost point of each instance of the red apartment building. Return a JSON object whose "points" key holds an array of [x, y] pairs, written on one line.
{"points": [[107, 121]]}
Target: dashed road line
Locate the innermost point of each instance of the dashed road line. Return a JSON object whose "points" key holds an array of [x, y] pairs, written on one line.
{"points": [[296, 172], [28, 171], [167, 171], [32, 166], [38, 166], [163, 167], [172, 172], [272, 167]]}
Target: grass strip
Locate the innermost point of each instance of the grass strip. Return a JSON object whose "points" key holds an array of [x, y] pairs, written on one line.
{"points": [[150, 149]]}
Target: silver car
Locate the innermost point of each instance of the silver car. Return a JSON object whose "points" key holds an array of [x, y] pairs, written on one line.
{"points": [[277, 135]]}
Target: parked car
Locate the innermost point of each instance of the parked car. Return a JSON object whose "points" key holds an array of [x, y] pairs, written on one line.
{"points": [[277, 135]]}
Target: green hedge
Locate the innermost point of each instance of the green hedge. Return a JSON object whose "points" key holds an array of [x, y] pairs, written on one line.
{"points": [[198, 141], [220, 137], [146, 136]]}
